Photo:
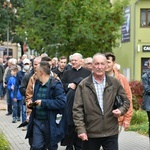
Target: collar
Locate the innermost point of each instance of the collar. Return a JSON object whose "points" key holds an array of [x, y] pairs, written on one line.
{"points": [[46, 83], [77, 68], [95, 81]]}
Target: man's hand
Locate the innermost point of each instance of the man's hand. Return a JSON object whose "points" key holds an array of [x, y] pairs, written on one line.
{"points": [[126, 125], [15, 100], [72, 86], [83, 137], [38, 102], [4, 85], [12, 87], [117, 113]]}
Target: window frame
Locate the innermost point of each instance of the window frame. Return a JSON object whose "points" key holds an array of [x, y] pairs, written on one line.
{"points": [[146, 16], [10, 52]]}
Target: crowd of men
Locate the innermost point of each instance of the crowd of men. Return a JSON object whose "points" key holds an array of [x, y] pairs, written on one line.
{"points": [[67, 101]]}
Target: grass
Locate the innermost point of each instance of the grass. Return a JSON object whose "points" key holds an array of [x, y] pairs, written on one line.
{"points": [[139, 122], [4, 144]]}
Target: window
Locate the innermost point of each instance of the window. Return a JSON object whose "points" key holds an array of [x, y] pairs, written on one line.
{"points": [[145, 17], [10, 52]]}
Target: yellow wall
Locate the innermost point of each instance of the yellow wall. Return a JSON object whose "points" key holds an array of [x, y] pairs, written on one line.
{"points": [[127, 54]]}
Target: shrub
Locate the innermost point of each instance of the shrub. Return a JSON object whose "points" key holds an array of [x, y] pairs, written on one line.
{"points": [[139, 122], [137, 93], [4, 144], [139, 117]]}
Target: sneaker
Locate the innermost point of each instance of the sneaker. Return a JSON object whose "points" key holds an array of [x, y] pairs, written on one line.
{"points": [[14, 120], [18, 119]]}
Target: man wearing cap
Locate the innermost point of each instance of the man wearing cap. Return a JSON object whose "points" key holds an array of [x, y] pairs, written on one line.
{"points": [[26, 68]]}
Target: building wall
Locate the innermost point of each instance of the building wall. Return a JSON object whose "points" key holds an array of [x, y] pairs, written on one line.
{"points": [[16, 53], [143, 37], [129, 55]]}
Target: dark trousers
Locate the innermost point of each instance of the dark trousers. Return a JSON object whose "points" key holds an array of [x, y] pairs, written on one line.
{"points": [[41, 136], [17, 108], [73, 142], [1, 90], [9, 102], [148, 114], [108, 143]]}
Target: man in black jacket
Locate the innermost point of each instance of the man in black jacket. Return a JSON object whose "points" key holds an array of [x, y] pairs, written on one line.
{"points": [[70, 80], [61, 67], [75, 72], [1, 78]]}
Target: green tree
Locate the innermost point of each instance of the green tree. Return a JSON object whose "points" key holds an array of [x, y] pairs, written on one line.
{"points": [[68, 26], [8, 19]]}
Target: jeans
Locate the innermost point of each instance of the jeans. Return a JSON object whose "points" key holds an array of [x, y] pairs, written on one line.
{"points": [[108, 143], [17, 108], [9, 102], [41, 136], [24, 115]]}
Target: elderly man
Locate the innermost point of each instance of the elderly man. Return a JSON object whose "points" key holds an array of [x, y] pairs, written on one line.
{"points": [[71, 79], [88, 63], [95, 118], [75, 72]]}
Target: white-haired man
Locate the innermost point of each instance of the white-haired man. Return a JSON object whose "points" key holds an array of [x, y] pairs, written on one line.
{"points": [[71, 78]]}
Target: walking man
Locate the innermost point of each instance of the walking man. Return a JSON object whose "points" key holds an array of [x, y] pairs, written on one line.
{"points": [[95, 119], [50, 100]]}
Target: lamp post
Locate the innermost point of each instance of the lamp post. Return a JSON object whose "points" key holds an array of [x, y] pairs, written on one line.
{"points": [[7, 5], [8, 39]]}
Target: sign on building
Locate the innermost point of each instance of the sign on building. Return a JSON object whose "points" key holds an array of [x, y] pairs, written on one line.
{"points": [[126, 26]]}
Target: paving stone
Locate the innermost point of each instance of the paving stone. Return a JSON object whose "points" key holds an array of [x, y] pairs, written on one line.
{"points": [[16, 137]]}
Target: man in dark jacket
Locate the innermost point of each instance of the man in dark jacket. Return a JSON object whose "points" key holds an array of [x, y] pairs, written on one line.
{"points": [[146, 97], [59, 70], [1, 78], [69, 80], [50, 100], [93, 113], [75, 72]]}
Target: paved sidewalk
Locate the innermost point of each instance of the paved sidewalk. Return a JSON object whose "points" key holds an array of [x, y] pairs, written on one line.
{"points": [[16, 137]]}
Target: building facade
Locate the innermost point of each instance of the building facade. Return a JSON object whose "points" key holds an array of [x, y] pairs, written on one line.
{"points": [[10, 49], [134, 47]]}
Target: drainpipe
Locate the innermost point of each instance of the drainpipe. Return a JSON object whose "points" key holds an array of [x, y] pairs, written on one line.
{"points": [[134, 44]]}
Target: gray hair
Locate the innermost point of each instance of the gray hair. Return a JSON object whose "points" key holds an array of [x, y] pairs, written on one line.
{"points": [[12, 61], [77, 54]]}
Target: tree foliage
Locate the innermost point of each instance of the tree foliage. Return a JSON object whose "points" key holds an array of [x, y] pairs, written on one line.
{"points": [[68, 26], [8, 19]]}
